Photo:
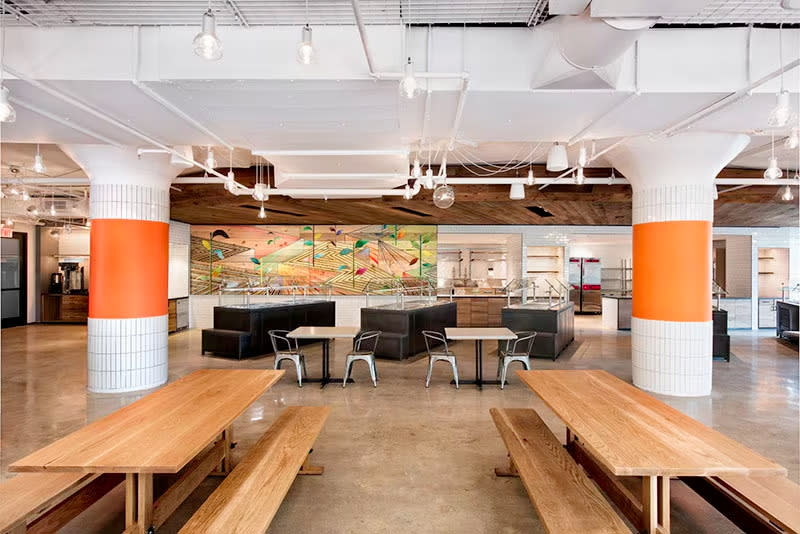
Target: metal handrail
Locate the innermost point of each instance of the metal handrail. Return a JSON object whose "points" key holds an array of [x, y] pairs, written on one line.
{"points": [[269, 290]]}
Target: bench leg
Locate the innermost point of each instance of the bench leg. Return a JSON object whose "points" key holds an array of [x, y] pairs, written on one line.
{"points": [[308, 469], [655, 505], [511, 471], [227, 439], [144, 513], [130, 499]]}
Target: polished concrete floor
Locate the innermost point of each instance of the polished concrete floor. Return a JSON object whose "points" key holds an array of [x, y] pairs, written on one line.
{"points": [[399, 457]]}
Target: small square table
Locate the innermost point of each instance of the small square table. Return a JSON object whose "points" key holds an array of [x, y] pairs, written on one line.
{"points": [[325, 334], [478, 335]]}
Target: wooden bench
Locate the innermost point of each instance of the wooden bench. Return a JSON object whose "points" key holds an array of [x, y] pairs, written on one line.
{"points": [[769, 504], [44, 502], [564, 497], [248, 498]]}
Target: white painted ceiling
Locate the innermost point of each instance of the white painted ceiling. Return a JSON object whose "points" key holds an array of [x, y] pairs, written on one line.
{"points": [[258, 98]]}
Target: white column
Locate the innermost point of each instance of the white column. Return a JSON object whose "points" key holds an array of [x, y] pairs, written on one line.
{"points": [[673, 208], [129, 209]]}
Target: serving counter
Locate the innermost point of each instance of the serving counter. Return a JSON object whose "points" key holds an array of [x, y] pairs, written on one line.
{"points": [[64, 308], [243, 331], [479, 310], [401, 325], [617, 310], [788, 319], [554, 325]]}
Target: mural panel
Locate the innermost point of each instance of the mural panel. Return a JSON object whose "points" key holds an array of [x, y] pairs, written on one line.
{"points": [[346, 258]]}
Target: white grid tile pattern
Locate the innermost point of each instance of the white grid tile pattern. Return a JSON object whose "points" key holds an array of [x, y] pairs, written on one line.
{"points": [[685, 202], [274, 12], [127, 354], [738, 11], [672, 358], [128, 201]]}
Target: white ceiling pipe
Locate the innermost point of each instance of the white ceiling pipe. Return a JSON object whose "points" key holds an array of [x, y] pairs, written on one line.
{"points": [[65, 122], [402, 152], [92, 111], [462, 98], [341, 175], [39, 180], [610, 111]]}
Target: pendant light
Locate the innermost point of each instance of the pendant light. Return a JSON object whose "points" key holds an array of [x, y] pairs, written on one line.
{"points": [[582, 156], [38, 164], [786, 194], [210, 161], [7, 112], [517, 192], [579, 178], [428, 183], [262, 214], [305, 48], [206, 44], [557, 158], [773, 172], [793, 141], [531, 179], [9, 223], [25, 196], [416, 171], [444, 195], [409, 87], [782, 112]]}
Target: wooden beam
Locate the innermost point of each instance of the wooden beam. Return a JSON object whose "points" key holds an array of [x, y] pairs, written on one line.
{"points": [[72, 506]]}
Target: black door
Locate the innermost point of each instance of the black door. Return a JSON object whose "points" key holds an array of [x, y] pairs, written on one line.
{"points": [[14, 279]]}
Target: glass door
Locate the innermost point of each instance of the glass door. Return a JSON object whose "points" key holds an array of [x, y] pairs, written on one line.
{"points": [[13, 279]]}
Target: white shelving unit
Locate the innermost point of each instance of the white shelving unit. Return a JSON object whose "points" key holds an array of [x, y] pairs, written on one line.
{"points": [[545, 262]]}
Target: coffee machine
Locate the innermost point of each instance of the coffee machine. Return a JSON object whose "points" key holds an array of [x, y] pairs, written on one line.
{"points": [[56, 283], [73, 277]]}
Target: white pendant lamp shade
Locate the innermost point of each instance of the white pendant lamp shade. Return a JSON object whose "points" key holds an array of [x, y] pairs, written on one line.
{"points": [[206, 44], [210, 161], [260, 192], [782, 111], [786, 194], [531, 179], [557, 158], [305, 48], [7, 113], [408, 84], [38, 163], [517, 192], [428, 182], [773, 172], [444, 196]]}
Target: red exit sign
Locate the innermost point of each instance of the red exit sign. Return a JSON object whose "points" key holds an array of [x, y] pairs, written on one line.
{"points": [[6, 232]]}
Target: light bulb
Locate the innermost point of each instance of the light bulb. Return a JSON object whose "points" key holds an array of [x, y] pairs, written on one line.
{"points": [[262, 214], [210, 161], [38, 165], [417, 170], [444, 196], [786, 194], [13, 191], [582, 156], [25, 196], [305, 49], [579, 176], [9, 223], [206, 44], [793, 141], [531, 179], [773, 172], [782, 111], [408, 85], [53, 209], [35, 211], [7, 113]]}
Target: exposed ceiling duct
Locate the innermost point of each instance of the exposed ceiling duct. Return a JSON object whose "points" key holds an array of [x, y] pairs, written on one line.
{"points": [[584, 50]]}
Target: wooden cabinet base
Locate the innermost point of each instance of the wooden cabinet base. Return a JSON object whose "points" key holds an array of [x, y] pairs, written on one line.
{"points": [[65, 308]]}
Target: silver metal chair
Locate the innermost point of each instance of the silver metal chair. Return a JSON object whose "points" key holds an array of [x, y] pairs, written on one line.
{"points": [[432, 339], [285, 350], [363, 349], [517, 350]]}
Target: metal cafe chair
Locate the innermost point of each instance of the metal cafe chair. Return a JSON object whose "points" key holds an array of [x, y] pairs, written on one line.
{"points": [[363, 349], [517, 350], [432, 339], [285, 350]]}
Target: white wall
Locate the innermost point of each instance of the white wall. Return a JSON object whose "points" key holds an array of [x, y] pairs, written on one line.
{"points": [[179, 259]]}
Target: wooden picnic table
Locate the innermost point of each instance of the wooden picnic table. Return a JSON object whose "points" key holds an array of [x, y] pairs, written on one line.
{"points": [[184, 427], [630, 433]]}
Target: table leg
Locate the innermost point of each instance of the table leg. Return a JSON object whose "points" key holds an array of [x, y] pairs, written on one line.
{"points": [[325, 362], [655, 505], [144, 497], [130, 499], [227, 461]]}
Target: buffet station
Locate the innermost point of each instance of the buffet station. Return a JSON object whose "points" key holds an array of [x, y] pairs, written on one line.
{"points": [[554, 325], [401, 325]]}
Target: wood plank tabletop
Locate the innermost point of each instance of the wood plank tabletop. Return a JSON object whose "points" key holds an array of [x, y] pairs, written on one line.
{"points": [[635, 434], [479, 333], [324, 332], [159, 433]]}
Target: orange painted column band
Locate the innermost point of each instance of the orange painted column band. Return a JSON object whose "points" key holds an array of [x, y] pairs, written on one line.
{"points": [[672, 271], [129, 266]]}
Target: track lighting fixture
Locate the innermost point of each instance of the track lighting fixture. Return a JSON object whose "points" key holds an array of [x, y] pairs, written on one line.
{"points": [[206, 44], [408, 84], [7, 112], [38, 164], [557, 158], [305, 48]]}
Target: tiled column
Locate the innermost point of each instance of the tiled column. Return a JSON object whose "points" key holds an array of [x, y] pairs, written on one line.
{"points": [[673, 211], [129, 210]]}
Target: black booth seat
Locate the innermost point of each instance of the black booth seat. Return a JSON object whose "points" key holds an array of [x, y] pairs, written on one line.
{"points": [[243, 331]]}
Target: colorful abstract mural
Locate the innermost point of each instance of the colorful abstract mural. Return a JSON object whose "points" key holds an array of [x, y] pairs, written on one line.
{"points": [[346, 258]]}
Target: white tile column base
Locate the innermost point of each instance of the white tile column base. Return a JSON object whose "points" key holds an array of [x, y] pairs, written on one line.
{"points": [[127, 354], [672, 358]]}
